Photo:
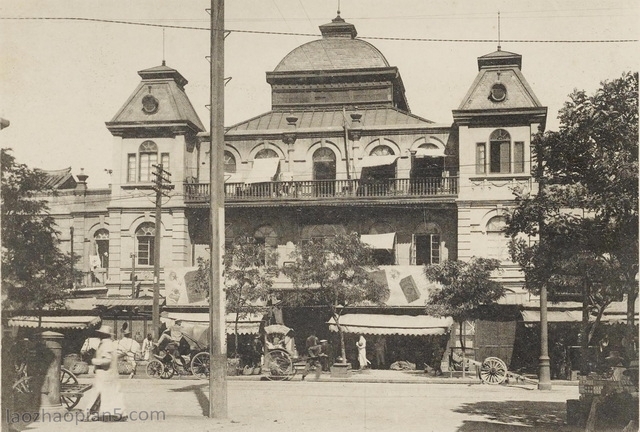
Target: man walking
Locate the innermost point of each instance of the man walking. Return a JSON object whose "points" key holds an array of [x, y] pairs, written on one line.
{"points": [[314, 352]]}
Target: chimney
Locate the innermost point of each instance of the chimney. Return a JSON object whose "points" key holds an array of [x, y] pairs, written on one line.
{"points": [[81, 186]]}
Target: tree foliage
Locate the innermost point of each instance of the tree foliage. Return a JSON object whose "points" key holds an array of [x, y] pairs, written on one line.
{"points": [[464, 288], [36, 274], [587, 203], [249, 271], [336, 273]]}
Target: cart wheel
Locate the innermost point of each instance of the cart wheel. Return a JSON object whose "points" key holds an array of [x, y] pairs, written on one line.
{"points": [[200, 365], [157, 369], [66, 377], [280, 365], [493, 371]]}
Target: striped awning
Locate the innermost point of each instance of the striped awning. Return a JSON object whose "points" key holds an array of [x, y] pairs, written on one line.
{"points": [[247, 325], [379, 324], [56, 322], [109, 302]]}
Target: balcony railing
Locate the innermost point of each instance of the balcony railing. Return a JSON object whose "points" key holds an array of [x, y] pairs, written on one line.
{"points": [[327, 189]]}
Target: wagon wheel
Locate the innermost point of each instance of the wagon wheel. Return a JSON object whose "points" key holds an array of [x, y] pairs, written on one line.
{"points": [[157, 369], [66, 377], [493, 371], [200, 365], [23, 385], [280, 365]]}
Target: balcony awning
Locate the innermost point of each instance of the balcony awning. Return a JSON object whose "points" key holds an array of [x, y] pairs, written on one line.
{"points": [[263, 170], [374, 161], [379, 324], [379, 241], [248, 325], [123, 302], [429, 152], [56, 322], [233, 178]]}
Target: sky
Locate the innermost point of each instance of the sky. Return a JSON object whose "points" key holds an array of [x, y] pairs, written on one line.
{"points": [[61, 80]]}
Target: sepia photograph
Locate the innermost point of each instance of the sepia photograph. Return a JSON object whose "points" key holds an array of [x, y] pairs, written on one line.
{"points": [[319, 215]]}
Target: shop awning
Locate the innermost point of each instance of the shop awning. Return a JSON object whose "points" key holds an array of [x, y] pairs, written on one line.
{"points": [[56, 322], [379, 324], [379, 241], [130, 302], [263, 170], [429, 152], [374, 161], [531, 317], [248, 325]]}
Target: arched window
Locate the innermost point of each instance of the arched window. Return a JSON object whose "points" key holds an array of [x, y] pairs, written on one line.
{"points": [[426, 245], [324, 170], [229, 162], [148, 157], [145, 239], [496, 240], [101, 241], [500, 151], [267, 237], [381, 150], [266, 154]]}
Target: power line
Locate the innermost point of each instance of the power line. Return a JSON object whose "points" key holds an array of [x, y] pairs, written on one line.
{"points": [[316, 35]]}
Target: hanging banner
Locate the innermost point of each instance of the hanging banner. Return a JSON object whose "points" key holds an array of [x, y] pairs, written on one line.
{"points": [[181, 287]]}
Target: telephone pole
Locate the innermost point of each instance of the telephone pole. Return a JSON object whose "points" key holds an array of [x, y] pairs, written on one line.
{"points": [[218, 338], [161, 183]]}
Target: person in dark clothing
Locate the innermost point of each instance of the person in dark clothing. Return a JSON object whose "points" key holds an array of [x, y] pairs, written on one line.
{"points": [[314, 353]]}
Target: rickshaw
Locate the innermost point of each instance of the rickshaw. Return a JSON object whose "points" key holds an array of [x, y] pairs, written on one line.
{"points": [[165, 365], [278, 361]]}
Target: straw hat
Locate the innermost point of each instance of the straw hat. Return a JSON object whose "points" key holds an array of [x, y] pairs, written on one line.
{"points": [[105, 330]]}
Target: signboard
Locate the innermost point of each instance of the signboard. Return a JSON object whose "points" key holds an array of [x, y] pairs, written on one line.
{"points": [[181, 288], [409, 289]]}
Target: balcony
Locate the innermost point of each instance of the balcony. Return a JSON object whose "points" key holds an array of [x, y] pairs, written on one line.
{"points": [[324, 190]]}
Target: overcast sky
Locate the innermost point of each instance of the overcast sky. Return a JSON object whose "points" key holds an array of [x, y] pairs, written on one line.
{"points": [[61, 80]]}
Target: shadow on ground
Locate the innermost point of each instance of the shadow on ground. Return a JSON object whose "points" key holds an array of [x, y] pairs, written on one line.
{"points": [[201, 396], [515, 416]]}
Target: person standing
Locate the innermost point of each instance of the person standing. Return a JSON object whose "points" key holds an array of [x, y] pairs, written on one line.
{"points": [[380, 348], [147, 347], [105, 400], [362, 352], [127, 351], [314, 351]]}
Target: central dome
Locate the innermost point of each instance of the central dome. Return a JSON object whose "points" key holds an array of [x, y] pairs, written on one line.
{"points": [[338, 49]]}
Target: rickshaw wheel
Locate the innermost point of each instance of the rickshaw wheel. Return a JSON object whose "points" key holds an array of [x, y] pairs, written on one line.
{"points": [[200, 365], [66, 377], [493, 371], [280, 365], [157, 369]]}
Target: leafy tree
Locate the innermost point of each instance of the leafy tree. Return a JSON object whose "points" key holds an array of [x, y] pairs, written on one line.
{"points": [[36, 274], [587, 203], [249, 271], [335, 273], [464, 288]]}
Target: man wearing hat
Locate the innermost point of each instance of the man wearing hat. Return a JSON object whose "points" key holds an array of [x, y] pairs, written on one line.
{"points": [[104, 400], [127, 350]]}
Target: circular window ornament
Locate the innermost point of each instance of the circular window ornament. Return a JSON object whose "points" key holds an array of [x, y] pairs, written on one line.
{"points": [[150, 104], [498, 93]]}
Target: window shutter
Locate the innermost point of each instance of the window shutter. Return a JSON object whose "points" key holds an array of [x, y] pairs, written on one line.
{"points": [[412, 250]]}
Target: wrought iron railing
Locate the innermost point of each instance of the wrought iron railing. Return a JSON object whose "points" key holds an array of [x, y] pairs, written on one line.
{"points": [[327, 189]]}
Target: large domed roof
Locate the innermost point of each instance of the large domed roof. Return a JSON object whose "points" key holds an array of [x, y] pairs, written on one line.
{"points": [[338, 49]]}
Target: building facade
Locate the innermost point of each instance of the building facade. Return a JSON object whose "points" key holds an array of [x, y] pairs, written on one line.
{"points": [[338, 152]]}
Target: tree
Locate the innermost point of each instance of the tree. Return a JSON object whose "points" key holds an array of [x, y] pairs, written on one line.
{"points": [[586, 209], [464, 288], [336, 273], [36, 274], [249, 271]]}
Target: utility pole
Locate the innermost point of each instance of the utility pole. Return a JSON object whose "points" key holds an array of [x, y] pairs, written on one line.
{"points": [[73, 285], [161, 183], [544, 366], [218, 338]]}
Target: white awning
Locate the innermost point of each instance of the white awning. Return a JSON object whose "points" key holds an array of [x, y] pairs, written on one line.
{"points": [[263, 170], [247, 325], [378, 324], [56, 322], [233, 178], [374, 161], [421, 152], [379, 241]]}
